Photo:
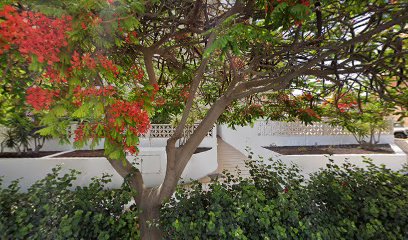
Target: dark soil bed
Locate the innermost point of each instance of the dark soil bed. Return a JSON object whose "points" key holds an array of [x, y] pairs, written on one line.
{"points": [[99, 153], [26, 155], [82, 153], [331, 149]]}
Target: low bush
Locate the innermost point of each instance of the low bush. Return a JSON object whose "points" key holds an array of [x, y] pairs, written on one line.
{"points": [[51, 210], [276, 202], [354, 203]]}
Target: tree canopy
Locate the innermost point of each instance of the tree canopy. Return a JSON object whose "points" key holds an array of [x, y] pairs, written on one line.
{"points": [[113, 66]]}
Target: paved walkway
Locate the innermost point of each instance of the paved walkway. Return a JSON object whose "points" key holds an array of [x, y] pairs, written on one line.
{"points": [[403, 144], [230, 159]]}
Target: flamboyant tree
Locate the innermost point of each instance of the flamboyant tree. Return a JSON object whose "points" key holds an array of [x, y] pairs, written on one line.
{"points": [[366, 117], [111, 65]]}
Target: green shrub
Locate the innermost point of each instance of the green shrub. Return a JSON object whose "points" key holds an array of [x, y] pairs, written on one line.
{"points": [[355, 203], [50, 210], [277, 203], [262, 207]]}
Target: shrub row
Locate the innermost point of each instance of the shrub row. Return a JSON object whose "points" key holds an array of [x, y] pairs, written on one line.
{"points": [[51, 210], [274, 202]]}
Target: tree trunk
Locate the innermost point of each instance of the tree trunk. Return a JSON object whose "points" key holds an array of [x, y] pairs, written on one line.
{"points": [[149, 217]]}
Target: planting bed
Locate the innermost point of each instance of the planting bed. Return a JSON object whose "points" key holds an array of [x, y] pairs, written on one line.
{"points": [[331, 149], [99, 153], [27, 155]]}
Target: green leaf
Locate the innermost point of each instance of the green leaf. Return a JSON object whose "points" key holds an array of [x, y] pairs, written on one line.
{"points": [[82, 111], [47, 131], [99, 109], [59, 111]]}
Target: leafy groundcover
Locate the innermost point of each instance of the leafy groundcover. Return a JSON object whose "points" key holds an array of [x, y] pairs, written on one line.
{"points": [[275, 202], [52, 209]]}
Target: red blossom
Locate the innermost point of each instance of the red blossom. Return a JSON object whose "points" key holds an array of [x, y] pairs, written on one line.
{"points": [[88, 61], [80, 93], [305, 2], [136, 72], [130, 36], [136, 120], [107, 64], [156, 87], [76, 60], [298, 23], [310, 112], [160, 101], [308, 96], [33, 33], [54, 76], [133, 112], [79, 133], [40, 98], [86, 131], [83, 26]]}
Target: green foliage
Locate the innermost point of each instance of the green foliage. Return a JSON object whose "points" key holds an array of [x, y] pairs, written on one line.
{"points": [[277, 106], [22, 134], [275, 202], [51, 210], [365, 118], [19, 133], [355, 203]]}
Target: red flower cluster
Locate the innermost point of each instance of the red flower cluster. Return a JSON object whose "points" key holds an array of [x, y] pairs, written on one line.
{"points": [[305, 2], [80, 131], [76, 60], [307, 96], [345, 106], [86, 60], [345, 102], [253, 109], [54, 76], [130, 36], [310, 112], [136, 72], [136, 120], [81, 93], [133, 113], [40, 98], [107, 64], [33, 34]]}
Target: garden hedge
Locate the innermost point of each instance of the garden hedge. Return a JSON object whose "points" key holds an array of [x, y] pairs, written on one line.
{"points": [[274, 202], [52, 209]]}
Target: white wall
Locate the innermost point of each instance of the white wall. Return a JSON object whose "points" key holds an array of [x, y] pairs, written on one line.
{"points": [[151, 161], [56, 145], [245, 136], [312, 163]]}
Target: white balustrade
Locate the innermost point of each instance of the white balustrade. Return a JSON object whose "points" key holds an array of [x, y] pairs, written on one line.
{"points": [[277, 128], [167, 130]]}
